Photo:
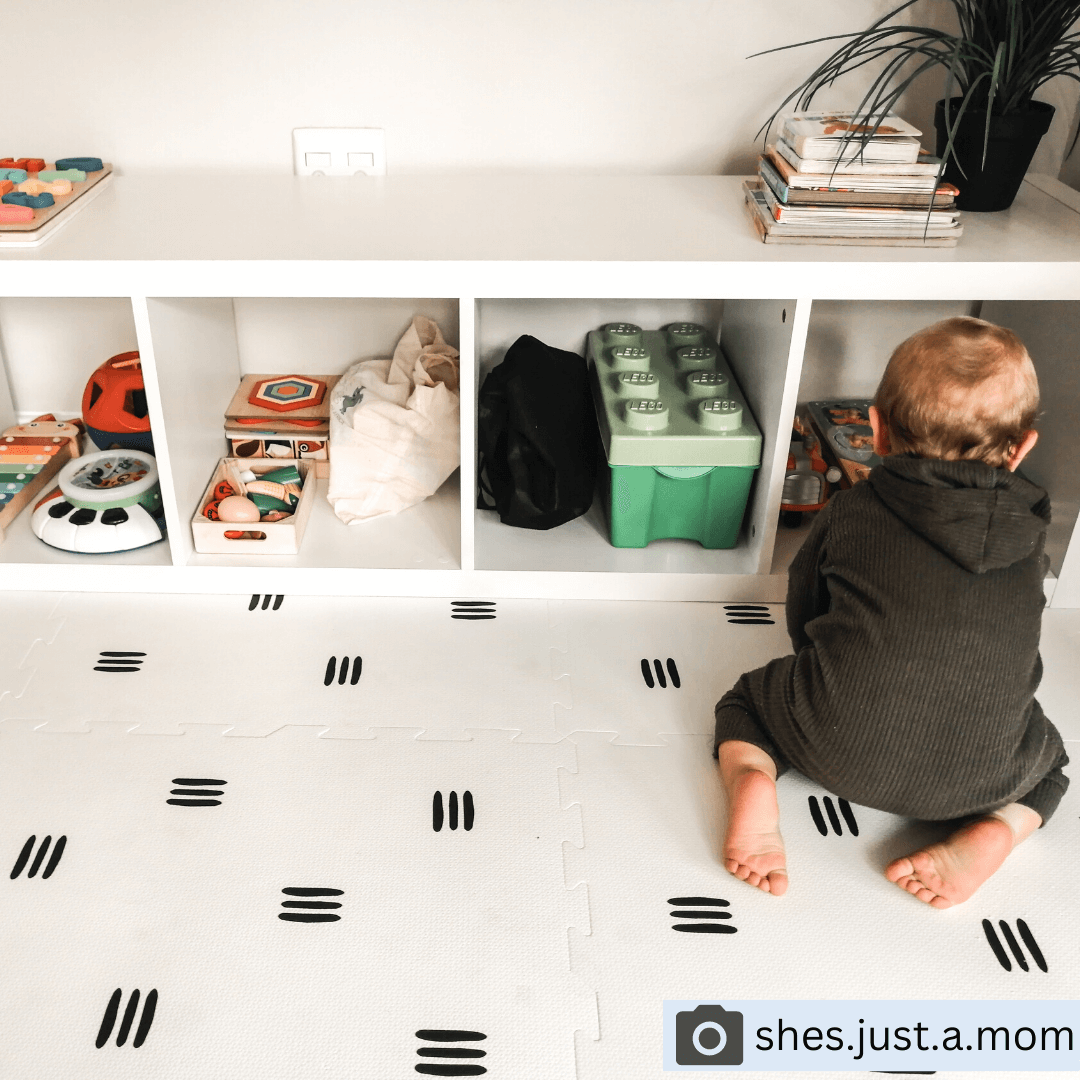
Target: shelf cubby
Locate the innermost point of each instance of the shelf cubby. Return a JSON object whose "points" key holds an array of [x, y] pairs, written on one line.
{"points": [[757, 338], [202, 347], [49, 347]]}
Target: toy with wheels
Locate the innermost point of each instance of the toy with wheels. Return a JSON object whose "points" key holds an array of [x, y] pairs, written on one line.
{"points": [[106, 501], [807, 480], [114, 405]]}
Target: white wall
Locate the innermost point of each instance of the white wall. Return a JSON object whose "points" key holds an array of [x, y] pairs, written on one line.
{"points": [[849, 342], [644, 86]]}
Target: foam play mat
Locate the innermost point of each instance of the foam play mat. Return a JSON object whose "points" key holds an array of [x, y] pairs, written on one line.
{"points": [[289, 837]]}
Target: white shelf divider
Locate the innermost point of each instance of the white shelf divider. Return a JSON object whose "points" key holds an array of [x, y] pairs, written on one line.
{"points": [[468, 332], [176, 527]]}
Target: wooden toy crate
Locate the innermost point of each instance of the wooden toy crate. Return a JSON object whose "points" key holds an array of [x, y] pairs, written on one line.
{"points": [[282, 537]]}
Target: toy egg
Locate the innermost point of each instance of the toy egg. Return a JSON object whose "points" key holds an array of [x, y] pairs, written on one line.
{"points": [[237, 508]]}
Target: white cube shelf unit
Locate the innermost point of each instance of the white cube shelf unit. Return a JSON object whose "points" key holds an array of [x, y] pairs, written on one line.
{"points": [[308, 275]]}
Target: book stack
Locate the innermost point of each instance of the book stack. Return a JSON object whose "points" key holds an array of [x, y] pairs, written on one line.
{"points": [[826, 180]]}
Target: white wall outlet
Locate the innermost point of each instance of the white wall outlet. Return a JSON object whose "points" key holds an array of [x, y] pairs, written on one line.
{"points": [[339, 152]]}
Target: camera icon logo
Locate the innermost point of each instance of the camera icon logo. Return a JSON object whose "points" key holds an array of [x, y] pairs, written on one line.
{"points": [[709, 1035]]}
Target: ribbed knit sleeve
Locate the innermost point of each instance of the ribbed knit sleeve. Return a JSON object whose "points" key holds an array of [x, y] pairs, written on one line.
{"points": [[807, 592]]}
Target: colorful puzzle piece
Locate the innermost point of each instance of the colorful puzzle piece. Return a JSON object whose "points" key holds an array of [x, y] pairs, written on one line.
{"points": [[84, 164], [283, 393], [55, 187], [29, 164], [16, 176], [14, 215], [76, 175], [37, 202]]}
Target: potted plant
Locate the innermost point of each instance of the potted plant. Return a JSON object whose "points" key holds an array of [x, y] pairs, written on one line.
{"points": [[988, 123]]}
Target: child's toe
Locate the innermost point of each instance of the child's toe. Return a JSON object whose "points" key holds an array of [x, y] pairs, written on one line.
{"points": [[899, 868]]}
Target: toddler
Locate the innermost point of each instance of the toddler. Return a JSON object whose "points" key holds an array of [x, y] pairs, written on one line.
{"points": [[914, 610]]}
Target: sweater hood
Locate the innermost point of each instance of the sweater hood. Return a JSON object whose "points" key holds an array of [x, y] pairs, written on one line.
{"points": [[981, 517]]}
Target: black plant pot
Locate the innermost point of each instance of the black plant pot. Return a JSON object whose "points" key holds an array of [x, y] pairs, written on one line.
{"points": [[1013, 141]]}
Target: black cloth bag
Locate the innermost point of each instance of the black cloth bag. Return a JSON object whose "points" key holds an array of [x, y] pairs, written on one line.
{"points": [[537, 437]]}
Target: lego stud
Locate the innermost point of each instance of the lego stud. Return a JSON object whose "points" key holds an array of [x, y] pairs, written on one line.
{"points": [[686, 333], [637, 384], [646, 415], [707, 384], [720, 414], [630, 358], [621, 333], [695, 357]]}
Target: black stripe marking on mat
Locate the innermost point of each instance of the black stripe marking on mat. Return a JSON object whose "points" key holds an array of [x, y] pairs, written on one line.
{"points": [[646, 672], [460, 1052], [749, 614], [696, 903], [332, 671], [472, 609], [315, 910], [112, 1010], [992, 939], [27, 850]]}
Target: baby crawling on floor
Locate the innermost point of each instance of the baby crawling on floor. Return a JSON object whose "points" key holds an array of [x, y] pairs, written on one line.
{"points": [[914, 609]]}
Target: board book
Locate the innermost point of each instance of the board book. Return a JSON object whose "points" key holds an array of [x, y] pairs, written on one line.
{"points": [[919, 175], [773, 232], [866, 219], [833, 135], [822, 189]]}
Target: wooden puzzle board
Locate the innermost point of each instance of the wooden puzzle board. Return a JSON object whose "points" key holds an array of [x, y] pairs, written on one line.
{"points": [[240, 409], [48, 219]]}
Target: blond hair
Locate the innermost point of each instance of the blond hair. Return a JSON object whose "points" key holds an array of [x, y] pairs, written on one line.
{"points": [[962, 389]]}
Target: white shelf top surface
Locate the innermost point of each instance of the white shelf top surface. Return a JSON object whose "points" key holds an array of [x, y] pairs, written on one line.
{"points": [[511, 235]]}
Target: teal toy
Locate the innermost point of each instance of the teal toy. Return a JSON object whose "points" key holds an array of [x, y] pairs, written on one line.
{"points": [[16, 176], [85, 164], [36, 202]]}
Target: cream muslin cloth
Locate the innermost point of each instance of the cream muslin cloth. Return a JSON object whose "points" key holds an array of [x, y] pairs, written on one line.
{"points": [[394, 427]]}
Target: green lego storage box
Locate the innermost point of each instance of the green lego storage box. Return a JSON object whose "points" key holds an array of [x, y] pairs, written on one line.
{"points": [[681, 444]]}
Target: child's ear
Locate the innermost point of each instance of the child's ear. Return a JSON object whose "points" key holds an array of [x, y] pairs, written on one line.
{"points": [[881, 433], [1021, 450]]}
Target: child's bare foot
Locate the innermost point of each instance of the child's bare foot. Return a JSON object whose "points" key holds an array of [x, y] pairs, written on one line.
{"points": [[948, 873], [753, 848]]}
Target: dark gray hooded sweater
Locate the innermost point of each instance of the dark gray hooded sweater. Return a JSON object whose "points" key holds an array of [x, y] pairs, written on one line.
{"points": [[914, 608]]}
